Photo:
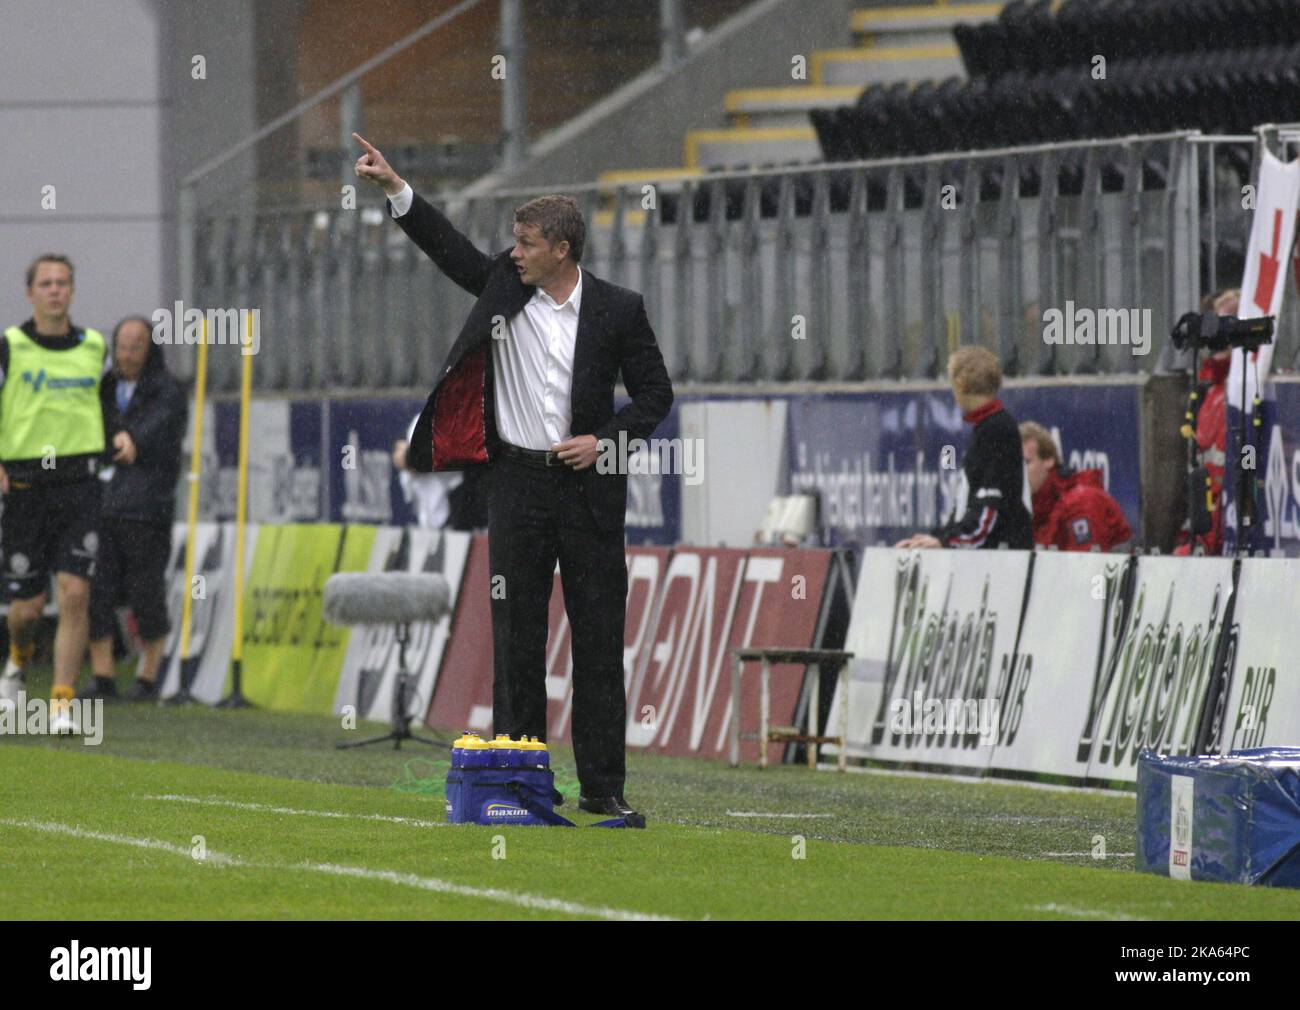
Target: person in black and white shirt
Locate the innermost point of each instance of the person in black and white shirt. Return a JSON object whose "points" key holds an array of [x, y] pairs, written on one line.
{"points": [[992, 507]]}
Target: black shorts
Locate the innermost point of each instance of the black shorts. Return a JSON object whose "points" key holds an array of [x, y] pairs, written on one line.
{"points": [[133, 570], [49, 528]]}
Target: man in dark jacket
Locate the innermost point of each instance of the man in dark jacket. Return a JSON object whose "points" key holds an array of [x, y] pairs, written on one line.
{"points": [[992, 508], [138, 507], [528, 389]]}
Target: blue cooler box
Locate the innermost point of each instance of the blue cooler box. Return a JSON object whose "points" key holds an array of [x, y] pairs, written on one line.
{"points": [[1231, 818], [501, 796]]}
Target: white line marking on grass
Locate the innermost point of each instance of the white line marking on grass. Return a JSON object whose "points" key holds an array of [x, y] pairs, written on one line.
{"points": [[517, 898], [1085, 913], [268, 808], [1108, 855], [984, 780], [491, 893], [758, 813], [52, 828]]}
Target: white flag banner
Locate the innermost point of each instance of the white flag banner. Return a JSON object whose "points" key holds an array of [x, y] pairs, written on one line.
{"points": [[1267, 259]]}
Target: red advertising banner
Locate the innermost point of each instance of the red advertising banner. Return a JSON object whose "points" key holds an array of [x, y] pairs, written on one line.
{"points": [[715, 600], [645, 573], [780, 600], [686, 609], [462, 697]]}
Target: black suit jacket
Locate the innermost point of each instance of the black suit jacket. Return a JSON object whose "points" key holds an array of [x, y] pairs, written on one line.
{"points": [[457, 428]]}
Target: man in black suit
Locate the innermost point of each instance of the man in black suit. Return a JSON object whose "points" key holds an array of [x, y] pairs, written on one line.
{"points": [[528, 388]]}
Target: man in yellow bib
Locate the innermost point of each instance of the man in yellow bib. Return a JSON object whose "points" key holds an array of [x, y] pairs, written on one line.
{"points": [[53, 429]]}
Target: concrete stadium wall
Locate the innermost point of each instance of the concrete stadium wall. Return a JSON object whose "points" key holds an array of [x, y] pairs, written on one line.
{"points": [[643, 124], [872, 450], [859, 442], [81, 110], [97, 100]]}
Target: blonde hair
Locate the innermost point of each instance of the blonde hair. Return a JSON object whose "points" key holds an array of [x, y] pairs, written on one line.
{"points": [[975, 371], [1032, 431], [1231, 294]]}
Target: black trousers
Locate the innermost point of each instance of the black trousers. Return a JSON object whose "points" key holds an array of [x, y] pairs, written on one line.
{"points": [[133, 559], [537, 516]]}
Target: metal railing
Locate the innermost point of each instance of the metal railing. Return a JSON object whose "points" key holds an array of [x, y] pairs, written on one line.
{"points": [[831, 272]]}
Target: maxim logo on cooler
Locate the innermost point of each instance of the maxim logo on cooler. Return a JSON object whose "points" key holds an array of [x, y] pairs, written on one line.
{"points": [[501, 810]]}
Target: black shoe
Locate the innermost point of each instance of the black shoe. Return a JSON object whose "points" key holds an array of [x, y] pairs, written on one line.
{"points": [[142, 690], [612, 806], [102, 688]]}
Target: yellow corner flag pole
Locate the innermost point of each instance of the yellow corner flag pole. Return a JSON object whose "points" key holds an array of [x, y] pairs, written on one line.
{"points": [[196, 463], [236, 697]]}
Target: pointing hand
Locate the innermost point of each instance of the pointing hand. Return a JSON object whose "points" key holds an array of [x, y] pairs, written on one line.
{"points": [[374, 167]]}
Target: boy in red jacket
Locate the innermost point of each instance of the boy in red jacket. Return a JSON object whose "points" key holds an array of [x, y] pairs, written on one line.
{"points": [[1071, 510]]}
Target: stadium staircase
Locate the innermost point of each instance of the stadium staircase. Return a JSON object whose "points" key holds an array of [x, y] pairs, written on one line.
{"points": [[948, 78], [770, 127]]}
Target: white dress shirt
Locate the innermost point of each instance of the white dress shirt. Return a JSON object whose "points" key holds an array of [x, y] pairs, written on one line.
{"points": [[533, 364]]}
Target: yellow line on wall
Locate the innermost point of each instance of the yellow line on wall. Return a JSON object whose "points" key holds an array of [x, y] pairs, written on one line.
{"points": [[696, 137]]}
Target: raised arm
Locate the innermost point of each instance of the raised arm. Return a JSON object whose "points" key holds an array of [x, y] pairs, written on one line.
{"points": [[453, 253]]}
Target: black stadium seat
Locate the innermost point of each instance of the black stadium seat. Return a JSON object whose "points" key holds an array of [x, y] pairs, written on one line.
{"points": [[1223, 91], [1030, 36], [1219, 66]]}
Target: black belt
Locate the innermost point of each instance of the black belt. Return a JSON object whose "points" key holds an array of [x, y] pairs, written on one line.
{"points": [[533, 457]]}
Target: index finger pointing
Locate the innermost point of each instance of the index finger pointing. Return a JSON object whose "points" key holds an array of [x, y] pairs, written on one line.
{"points": [[364, 143]]}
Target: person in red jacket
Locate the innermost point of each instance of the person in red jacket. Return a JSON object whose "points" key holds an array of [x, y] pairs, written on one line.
{"points": [[1212, 432], [1071, 510]]}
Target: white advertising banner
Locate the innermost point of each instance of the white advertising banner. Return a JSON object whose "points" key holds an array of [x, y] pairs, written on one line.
{"points": [[1114, 654], [934, 639], [212, 618], [1072, 611], [1149, 686], [370, 665], [1263, 688]]}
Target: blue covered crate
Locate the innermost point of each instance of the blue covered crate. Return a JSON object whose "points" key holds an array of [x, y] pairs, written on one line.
{"points": [[1233, 817]]}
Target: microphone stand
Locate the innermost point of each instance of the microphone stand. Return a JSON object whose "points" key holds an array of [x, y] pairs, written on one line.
{"points": [[401, 721]]}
